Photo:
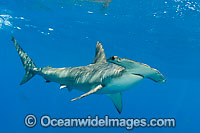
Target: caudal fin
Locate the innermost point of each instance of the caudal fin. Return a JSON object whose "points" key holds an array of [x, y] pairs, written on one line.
{"points": [[28, 64]]}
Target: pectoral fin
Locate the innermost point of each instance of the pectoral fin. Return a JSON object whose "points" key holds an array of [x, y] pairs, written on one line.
{"points": [[117, 100], [89, 92]]}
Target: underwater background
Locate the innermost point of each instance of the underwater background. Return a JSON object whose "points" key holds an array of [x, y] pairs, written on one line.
{"points": [[164, 34]]}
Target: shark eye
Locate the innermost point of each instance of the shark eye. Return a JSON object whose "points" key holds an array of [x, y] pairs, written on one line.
{"points": [[113, 58]]}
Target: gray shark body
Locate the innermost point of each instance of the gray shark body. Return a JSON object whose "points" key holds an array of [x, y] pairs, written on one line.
{"points": [[85, 78], [99, 77]]}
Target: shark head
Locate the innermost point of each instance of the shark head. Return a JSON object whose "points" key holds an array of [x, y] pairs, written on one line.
{"points": [[137, 68], [120, 61], [126, 63]]}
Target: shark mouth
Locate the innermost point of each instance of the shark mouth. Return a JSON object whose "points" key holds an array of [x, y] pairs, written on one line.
{"points": [[138, 75]]}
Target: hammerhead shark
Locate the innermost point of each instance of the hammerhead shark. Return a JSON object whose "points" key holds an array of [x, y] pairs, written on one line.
{"points": [[110, 77]]}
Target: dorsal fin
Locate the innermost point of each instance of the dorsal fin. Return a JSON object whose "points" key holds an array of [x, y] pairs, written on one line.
{"points": [[100, 56]]}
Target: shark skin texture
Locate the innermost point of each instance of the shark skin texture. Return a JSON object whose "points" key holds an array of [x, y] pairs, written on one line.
{"points": [[110, 77]]}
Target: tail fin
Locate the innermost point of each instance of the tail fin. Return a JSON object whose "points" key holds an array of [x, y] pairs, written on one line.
{"points": [[28, 64]]}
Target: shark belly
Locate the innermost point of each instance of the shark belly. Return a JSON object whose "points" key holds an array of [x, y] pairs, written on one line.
{"points": [[122, 83]]}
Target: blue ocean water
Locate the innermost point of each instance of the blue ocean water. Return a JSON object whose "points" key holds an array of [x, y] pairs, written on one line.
{"points": [[164, 34]]}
